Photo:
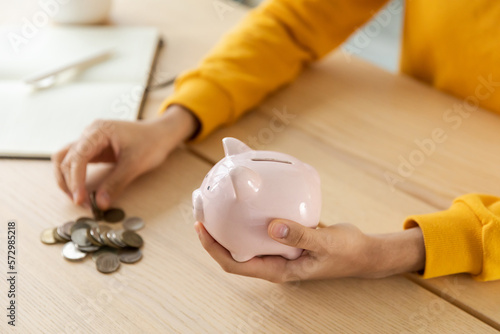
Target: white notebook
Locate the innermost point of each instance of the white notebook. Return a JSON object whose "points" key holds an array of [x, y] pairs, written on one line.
{"points": [[34, 123]]}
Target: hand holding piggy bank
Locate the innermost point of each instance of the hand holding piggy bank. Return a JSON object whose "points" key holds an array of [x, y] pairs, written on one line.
{"points": [[247, 189]]}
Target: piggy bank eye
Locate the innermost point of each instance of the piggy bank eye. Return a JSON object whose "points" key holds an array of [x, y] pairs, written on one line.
{"points": [[208, 188]]}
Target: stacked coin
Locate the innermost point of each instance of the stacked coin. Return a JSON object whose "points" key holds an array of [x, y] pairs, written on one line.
{"points": [[109, 246], [112, 215]]}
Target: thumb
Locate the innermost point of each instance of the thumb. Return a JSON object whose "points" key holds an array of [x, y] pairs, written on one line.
{"points": [[293, 234], [114, 185]]}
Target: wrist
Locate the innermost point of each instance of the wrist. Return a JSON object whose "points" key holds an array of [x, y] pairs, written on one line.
{"points": [[179, 122], [396, 253], [176, 125]]}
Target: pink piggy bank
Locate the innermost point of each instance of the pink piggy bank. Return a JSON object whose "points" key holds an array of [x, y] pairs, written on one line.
{"points": [[247, 189]]}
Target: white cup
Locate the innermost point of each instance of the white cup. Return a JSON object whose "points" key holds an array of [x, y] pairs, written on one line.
{"points": [[82, 11]]}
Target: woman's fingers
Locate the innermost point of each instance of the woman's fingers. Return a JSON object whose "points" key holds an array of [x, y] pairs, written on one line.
{"points": [[57, 158], [75, 169], [74, 165], [271, 268], [134, 148]]}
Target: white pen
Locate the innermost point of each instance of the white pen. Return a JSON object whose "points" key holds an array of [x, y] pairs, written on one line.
{"points": [[88, 59]]}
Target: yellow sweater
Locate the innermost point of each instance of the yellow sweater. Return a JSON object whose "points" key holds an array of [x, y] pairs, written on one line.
{"points": [[448, 44]]}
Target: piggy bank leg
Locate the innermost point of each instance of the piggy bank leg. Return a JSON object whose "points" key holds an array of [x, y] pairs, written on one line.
{"points": [[241, 257]]}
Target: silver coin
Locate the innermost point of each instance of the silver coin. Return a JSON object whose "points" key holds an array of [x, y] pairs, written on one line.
{"points": [[107, 241], [90, 222], [70, 252], [101, 250], [57, 237], [94, 233], [107, 262], [103, 229], [66, 228], [111, 238], [113, 215], [114, 239], [88, 249], [130, 255], [83, 219], [132, 239], [61, 234], [119, 238], [80, 223], [133, 224], [79, 237]]}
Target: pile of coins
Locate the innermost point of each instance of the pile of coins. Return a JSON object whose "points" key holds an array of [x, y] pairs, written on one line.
{"points": [[87, 235]]}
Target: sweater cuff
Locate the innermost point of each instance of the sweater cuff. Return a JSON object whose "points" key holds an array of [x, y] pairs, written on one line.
{"points": [[205, 100], [453, 241]]}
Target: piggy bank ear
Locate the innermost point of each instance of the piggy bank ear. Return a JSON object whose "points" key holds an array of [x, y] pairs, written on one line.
{"points": [[233, 146], [246, 182]]}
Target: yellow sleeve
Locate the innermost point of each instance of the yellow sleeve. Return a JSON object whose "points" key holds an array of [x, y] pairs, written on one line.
{"points": [[268, 49], [463, 239]]}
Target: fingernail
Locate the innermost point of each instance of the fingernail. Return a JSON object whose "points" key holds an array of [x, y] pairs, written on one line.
{"points": [[279, 230]]}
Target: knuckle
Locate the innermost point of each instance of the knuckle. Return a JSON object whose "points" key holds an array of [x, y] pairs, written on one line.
{"points": [[90, 128], [300, 238], [94, 137], [105, 125], [98, 123], [71, 155], [86, 149], [89, 134], [65, 166], [97, 127]]}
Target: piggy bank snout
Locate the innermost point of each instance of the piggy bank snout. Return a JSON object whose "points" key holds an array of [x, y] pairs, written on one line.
{"points": [[198, 206]]}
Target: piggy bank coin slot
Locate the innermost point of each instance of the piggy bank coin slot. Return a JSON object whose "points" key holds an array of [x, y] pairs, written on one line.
{"points": [[272, 160]]}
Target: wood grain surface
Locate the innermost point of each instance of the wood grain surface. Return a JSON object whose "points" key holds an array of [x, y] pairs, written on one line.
{"points": [[177, 287], [348, 126]]}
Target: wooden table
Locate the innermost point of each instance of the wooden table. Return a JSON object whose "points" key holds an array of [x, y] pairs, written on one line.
{"points": [[352, 122]]}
